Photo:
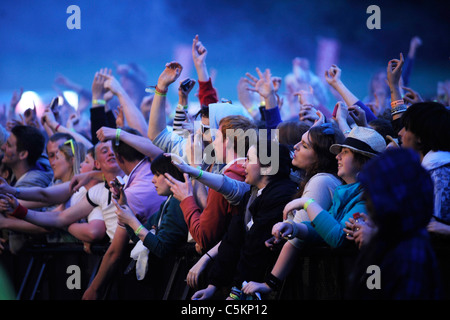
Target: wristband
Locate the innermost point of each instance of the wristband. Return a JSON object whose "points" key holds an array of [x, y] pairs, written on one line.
{"points": [[56, 129], [397, 103], [20, 212], [138, 230], [118, 136], [99, 102], [273, 282], [200, 174], [307, 203], [159, 92], [399, 109]]}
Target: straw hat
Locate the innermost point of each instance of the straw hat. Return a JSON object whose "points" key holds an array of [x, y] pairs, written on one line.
{"points": [[363, 140]]}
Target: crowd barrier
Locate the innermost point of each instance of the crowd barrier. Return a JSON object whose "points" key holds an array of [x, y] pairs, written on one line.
{"points": [[46, 272]]}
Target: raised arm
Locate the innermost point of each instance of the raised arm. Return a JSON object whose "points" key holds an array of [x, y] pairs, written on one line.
{"points": [[394, 73], [133, 115], [157, 121], [141, 144]]}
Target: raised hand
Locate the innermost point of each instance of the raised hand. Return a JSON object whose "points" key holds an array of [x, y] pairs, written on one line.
{"points": [[199, 52], [169, 75], [394, 71], [98, 84], [264, 85], [333, 75], [411, 96], [180, 190]]}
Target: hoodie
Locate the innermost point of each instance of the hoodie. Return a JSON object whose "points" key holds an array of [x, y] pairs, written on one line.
{"points": [[437, 163]]}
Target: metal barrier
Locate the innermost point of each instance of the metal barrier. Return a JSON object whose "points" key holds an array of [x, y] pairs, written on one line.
{"points": [[40, 273]]}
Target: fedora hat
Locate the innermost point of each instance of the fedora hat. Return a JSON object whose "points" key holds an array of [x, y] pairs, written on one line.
{"points": [[363, 140]]}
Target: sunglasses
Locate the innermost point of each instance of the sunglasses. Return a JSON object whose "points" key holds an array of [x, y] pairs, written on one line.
{"points": [[71, 146]]}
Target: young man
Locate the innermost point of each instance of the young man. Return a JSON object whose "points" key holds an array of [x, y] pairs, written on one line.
{"points": [[141, 197]]}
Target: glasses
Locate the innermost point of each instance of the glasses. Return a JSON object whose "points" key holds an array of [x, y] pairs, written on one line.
{"points": [[71, 146]]}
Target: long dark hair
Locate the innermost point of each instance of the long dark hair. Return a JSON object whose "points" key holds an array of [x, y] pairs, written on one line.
{"points": [[321, 138], [162, 164]]}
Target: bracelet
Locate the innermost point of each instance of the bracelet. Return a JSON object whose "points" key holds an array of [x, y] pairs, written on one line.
{"points": [[398, 109], [17, 195], [397, 103], [118, 136], [56, 129], [138, 230], [181, 107], [273, 282], [20, 212], [99, 102], [159, 92], [199, 175], [307, 203]]}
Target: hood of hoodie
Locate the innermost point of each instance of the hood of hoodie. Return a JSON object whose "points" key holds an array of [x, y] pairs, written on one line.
{"points": [[218, 111], [400, 192], [435, 159]]}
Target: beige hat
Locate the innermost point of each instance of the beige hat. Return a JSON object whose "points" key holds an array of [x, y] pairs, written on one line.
{"points": [[363, 140]]}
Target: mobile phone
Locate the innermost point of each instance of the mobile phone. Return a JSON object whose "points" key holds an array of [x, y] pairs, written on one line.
{"points": [[335, 110], [54, 104], [118, 183], [186, 84]]}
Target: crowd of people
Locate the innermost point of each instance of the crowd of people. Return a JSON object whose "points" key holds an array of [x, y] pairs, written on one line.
{"points": [[249, 185]]}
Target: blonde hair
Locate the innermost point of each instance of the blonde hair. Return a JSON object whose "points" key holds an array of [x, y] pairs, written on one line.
{"points": [[75, 158]]}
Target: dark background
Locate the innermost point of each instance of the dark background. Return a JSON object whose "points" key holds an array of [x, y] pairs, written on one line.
{"points": [[240, 35]]}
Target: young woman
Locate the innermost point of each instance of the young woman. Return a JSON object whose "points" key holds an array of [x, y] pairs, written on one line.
{"points": [[399, 193], [166, 229], [242, 254], [159, 237], [327, 225], [313, 157]]}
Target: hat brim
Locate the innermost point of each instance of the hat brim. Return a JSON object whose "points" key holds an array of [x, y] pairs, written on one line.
{"points": [[336, 149]]}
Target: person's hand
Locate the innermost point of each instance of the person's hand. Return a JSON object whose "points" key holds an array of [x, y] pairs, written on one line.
{"points": [[120, 117], [306, 97], [72, 121], [281, 230], [79, 180], [178, 162], [293, 205], [342, 112], [169, 75], [48, 117], [199, 52], [264, 85], [105, 134], [5, 187], [111, 84], [98, 84], [308, 114], [438, 227], [183, 94], [411, 96], [320, 120], [204, 294], [124, 214], [253, 287], [15, 98], [195, 272], [180, 190], [333, 75], [394, 71], [8, 203], [358, 115]]}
